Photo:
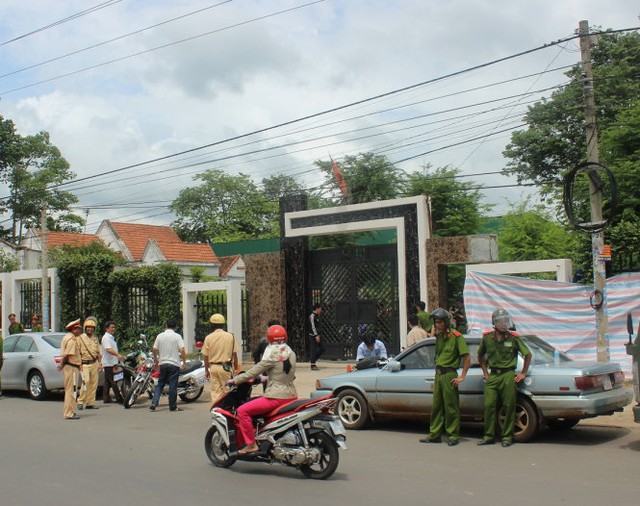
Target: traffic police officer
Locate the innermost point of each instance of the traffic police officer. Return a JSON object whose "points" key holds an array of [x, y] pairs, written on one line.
{"points": [[451, 348], [499, 350], [70, 363], [220, 354], [91, 364]]}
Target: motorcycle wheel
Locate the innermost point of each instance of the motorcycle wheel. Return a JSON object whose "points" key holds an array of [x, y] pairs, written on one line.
{"points": [[132, 395], [124, 385], [216, 449], [329, 457], [192, 396]]}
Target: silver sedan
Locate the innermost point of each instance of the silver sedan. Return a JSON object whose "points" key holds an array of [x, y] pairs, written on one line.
{"points": [[557, 393], [31, 363]]}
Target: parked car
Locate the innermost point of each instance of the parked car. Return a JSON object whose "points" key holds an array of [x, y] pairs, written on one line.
{"points": [[31, 363], [557, 393]]}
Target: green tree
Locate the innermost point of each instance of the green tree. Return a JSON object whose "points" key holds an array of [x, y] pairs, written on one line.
{"points": [[555, 141], [530, 233], [369, 178], [32, 167], [456, 207], [223, 208]]}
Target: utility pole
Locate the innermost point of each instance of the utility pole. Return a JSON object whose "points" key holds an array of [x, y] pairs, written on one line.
{"points": [[45, 268], [595, 193]]}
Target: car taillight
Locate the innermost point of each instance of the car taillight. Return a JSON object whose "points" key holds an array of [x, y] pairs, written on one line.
{"points": [[57, 359], [588, 382], [618, 377]]}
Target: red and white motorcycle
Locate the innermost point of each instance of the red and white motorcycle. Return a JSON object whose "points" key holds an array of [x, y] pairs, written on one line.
{"points": [[303, 434]]}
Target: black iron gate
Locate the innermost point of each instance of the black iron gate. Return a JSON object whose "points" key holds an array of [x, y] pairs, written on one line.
{"points": [[208, 303], [358, 287]]}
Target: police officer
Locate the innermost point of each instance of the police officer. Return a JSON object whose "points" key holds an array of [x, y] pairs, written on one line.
{"points": [[220, 354], [91, 364], [70, 363], [499, 350], [451, 348]]}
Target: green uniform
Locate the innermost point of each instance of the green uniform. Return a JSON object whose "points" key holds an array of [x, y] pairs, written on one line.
{"points": [[445, 412], [500, 389], [16, 328], [425, 320]]}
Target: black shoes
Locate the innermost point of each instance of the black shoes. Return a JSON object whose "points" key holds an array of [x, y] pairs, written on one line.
{"points": [[506, 443], [453, 442], [314, 368], [74, 417], [80, 407], [177, 409], [483, 442], [92, 407], [427, 440], [152, 407]]}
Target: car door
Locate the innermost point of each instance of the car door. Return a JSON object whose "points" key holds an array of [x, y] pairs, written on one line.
{"points": [[408, 391], [25, 355], [11, 365]]}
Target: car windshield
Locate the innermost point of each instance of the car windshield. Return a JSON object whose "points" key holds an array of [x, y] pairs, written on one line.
{"points": [[53, 339], [541, 351]]}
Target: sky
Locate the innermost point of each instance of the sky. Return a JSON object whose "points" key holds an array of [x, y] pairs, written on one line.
{"points": [[141, 96]]}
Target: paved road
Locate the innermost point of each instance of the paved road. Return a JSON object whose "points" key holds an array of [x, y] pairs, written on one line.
{"points": [[124, 457]]}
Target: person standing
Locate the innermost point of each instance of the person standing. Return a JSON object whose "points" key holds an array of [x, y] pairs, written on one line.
{"points": [[499, 350], [416, 332], [70, 362], [110, 358], [36, 326], [169, 354], [15, 327], [91, 364], [220, 354], [451, 348], [316, 340], [424, 318]]}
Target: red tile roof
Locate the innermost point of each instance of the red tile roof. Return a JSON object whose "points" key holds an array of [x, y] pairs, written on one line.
{"points": [[55, 239], [226, 263], [187, 252], [136, 236]]}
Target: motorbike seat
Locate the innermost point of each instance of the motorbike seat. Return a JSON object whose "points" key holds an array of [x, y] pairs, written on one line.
{"points": [[290, 406], [192, 366]]}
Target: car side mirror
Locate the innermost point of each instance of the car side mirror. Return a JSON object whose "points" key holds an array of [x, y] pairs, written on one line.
{"points": [[393, 365]]}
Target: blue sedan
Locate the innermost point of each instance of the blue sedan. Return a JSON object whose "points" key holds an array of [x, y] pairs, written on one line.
{"points": [[557, 393]]}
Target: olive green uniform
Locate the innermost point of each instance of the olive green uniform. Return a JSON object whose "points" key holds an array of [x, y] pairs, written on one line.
{"points": [[500, 389], [16, 328], [425, 320], [445, 412]]}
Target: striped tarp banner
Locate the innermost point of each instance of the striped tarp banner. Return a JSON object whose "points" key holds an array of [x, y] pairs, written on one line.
{"points": [[560, 313]]}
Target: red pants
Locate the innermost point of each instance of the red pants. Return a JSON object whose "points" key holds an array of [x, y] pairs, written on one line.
{"points": [[255, 407]]}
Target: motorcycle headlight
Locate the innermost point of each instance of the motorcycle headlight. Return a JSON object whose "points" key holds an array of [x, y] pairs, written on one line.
{"points": [[149, 363]]}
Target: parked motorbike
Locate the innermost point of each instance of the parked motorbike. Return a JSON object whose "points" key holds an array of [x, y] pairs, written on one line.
{"points": [[126, 371], [302, 434], [190, 382]]}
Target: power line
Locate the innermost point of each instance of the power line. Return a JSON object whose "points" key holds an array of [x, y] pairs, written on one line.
{"points": [[62, 21]]}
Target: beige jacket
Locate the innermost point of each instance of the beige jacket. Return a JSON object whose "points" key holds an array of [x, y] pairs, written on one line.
{"points": [[279, 384]]}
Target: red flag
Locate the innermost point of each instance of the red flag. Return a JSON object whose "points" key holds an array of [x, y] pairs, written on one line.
{"points": [[337, 173]]}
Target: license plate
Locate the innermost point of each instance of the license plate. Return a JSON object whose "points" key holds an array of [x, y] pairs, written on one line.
{"points": [[606, 383], [337, 427], [118, 377]]}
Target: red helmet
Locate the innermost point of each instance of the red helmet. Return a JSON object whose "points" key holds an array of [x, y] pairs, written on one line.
{"points": [[276, 334]]}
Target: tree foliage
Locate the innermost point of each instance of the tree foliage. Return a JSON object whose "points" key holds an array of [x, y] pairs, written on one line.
{"points": [[32, 167], [555, 140]]}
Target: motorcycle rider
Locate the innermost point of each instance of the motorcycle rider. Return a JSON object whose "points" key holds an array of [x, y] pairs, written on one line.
{"points": [[279, 365]]}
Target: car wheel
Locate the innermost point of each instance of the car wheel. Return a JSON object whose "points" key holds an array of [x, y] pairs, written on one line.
{"points": [[352, 409], [526, 421], [562, 423], [37, 389]]}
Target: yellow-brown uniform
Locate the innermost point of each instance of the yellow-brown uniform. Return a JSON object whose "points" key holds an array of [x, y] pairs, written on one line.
{"points": [[69, 348], [90, 353], [218, 351]]}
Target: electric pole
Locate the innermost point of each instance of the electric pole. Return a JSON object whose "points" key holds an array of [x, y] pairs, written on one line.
{"points": [[45, 268], [595, 193]]}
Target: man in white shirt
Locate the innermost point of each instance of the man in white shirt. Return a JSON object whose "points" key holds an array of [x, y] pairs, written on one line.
{"points": [[168, 352], [371, 347], [110, 358]]}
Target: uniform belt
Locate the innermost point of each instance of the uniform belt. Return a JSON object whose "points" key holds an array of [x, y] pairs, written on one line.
{"points": [[495, 370], [73, 365], [87, 362], [445, 370], [220, 363]]}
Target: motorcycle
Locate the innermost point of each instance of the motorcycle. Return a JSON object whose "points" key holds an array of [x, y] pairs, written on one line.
{"points": [[191, 381], [303, 434], [126, 371]]}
